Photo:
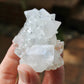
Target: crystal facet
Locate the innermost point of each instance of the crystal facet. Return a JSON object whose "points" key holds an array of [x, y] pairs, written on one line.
{"points": [[37, 44]]}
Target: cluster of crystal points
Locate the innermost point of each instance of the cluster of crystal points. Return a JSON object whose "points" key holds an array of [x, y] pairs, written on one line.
{"points": [[37, 44]]}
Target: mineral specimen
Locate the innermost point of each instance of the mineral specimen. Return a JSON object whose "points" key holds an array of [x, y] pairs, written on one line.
{"points": [[37, 44]]}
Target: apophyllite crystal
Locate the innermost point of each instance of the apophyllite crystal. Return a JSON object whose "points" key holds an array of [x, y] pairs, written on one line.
{"points": [[37, 44]]}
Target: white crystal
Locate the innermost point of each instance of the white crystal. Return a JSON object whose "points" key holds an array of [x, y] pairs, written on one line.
{"points": [[44, 53], [37, 44]]}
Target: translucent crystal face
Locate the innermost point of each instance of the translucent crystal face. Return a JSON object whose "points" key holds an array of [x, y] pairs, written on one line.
{"points": [[37, 41]]}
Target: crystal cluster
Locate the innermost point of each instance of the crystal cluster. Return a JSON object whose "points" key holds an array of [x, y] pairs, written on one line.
{"points": [[37, 44]]}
